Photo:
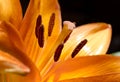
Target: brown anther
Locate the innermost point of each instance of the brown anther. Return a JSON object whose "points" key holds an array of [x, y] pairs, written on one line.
{"points": [[41, 36], [78, 48], [38, 24], [58, 52], [67, 37], [51, 24]]}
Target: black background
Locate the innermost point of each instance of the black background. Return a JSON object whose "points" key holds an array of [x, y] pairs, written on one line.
{"points": [[86, 11]]}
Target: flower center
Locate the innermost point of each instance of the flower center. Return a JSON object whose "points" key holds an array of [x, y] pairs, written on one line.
{"points": [[53, 46]]}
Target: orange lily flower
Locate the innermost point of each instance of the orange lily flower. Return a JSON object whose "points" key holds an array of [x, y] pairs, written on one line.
{"points": [[36, 48]]}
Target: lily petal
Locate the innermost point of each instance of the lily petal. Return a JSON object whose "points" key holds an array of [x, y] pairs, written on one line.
{"points": [[35, 9], [27, 29], [10, 38], [12, 43], [85, 67], [47, 9], [32, 76], [29, 20], [10, 10], [98, 36], [9, 64], [103, 78]]}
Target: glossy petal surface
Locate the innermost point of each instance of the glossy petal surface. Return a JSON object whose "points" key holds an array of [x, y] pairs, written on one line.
{"points": [[103, 78], [98, 37], [86, 67]]}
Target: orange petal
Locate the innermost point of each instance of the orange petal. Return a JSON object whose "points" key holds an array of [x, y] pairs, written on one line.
{"points": [[10, 39], [98, 37], [46, 10], [29, 20], [12, 43], [10, 10], [103, 78], [27, 29], [87, 66], [11, 64], [32, 76]]}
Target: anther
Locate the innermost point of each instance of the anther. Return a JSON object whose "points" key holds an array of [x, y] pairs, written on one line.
{"points": [[67, 37], [78, 48], [51, 24], [38, 24], [41, 36], [58, 52]]}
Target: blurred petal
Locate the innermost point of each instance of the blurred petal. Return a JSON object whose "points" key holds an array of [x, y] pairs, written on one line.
{"points": [[83, 67], [11, 64], [32, 76], [12, 44], [116, 53], [10, 10], [98, 37], [10, 39]]}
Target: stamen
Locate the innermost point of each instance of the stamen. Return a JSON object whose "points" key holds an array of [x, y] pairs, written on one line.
{"points": [[41, 36], [78, 48], [51, 24], [58, 52], [38, 24], [51, 47], [67, 37]]}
